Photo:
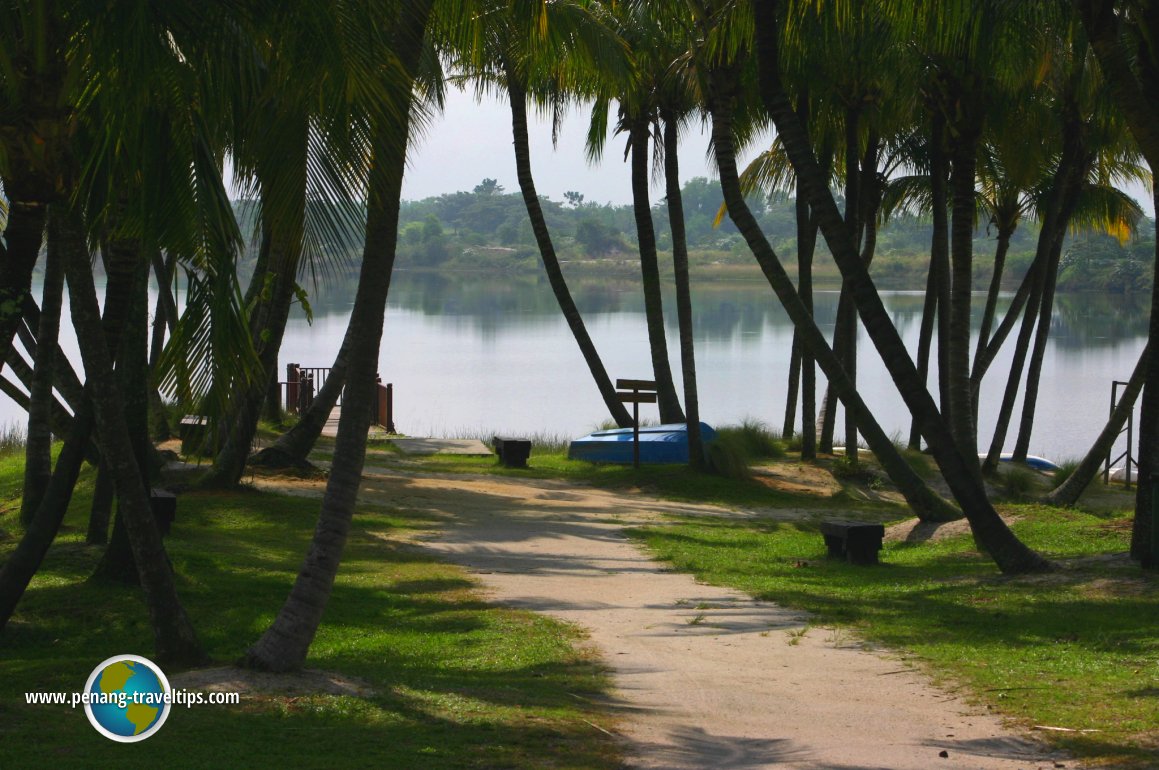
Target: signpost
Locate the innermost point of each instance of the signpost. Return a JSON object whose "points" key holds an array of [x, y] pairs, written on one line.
{"points": [[641, 392]]}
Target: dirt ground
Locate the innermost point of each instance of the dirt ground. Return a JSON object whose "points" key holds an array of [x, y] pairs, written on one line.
{"points": [[705, 677]]}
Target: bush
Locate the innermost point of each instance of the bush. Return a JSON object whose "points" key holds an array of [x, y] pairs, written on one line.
{"points": [[1019, 482], [727, 456], [756, 439], [1066, 468]]}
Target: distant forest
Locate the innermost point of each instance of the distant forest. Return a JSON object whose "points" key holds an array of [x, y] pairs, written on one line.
{"points": [[487, 229]]}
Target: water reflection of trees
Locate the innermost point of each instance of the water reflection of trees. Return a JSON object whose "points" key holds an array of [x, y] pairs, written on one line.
{"points": [[723, 309]]}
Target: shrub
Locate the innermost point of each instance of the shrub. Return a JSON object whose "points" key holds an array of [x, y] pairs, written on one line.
{"points": [[756, 439], [1019, 482], [727, 456]]}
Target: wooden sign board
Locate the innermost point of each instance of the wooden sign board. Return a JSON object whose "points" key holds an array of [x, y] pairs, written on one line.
{"points": [[636, 384], [637, 398]]}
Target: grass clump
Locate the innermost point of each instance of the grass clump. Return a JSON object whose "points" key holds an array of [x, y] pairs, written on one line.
{"points": [[1066, 469], [1020, 483], [758, 440], [1075, 649], [12, 438], [727, 455]]}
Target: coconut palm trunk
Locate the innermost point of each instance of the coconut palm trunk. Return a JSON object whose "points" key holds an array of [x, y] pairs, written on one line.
{"points": [[925, 343], [925, 504], [640, 138], [38, 444], [684, 315], [1068, 492], [271, 293], [286, 642], [174, 638], [1010, 554], [960, 409], [517, 98], [1125, 50], [18, 255], [293, 447]]}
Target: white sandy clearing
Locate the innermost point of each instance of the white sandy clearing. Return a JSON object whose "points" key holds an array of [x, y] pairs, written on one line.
{"points": [[705, 677]]}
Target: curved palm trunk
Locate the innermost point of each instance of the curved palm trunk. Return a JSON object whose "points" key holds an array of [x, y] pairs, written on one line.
{"points": [[286, 642], [1141, 534], [294, 446], [794, 388], [174, 638], [1021, 349], [667, 400], [1005, 233], [1068, 492], [517, 98], [1010, 554], [987, 354], [271, 293], [127, 288], [806, 246], [683, 289], [1131, 76], [925, 504], [960, 409], [940, 252], [925, 342], [23, 237], [38, 446]]}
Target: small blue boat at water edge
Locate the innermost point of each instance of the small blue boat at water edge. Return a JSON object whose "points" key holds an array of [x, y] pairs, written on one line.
{"points": [[658, 444], [1032, 461]]}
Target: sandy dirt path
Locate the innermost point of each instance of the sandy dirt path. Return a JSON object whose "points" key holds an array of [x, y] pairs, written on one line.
{"points": [[705, 677]]}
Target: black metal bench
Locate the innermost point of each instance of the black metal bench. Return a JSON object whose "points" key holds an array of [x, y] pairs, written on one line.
{"points": [[513, 452], [855, 541]]}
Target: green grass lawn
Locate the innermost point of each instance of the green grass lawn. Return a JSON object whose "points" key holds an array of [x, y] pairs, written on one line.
{"points": [[456, 682], [1077, 649]]}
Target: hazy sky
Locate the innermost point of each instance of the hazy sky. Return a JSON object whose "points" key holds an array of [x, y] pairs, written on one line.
{"points": [[471, 141]]}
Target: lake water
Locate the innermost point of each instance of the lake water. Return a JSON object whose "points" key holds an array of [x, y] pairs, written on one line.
{"points": [[476, 355]]}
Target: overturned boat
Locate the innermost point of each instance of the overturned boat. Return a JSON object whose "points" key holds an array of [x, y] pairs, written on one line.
{"points": [[658, 444]]}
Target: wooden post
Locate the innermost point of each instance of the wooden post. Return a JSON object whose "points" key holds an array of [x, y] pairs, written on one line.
{"points": [[635, 398], [292, 375]]}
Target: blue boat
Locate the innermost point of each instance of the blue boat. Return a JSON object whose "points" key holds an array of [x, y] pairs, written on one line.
{"points": [[1032, 461], [658, 444]]}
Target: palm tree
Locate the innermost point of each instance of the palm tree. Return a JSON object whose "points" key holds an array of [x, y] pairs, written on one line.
{"points": [[285, 643], [298, 142], [548, 61], [990, 531]]}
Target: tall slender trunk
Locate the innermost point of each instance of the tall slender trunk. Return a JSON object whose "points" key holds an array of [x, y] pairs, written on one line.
{"points": [[1068, 492], [174, 638], [794, 387], [1005, 233], [989, 352], [806, 246], [1141, 534], [925, 342], [294, 446], [517, 97], [960, 410], [922, 500], [271, 295], [127, 287], [38, 446], [22, 236], [940, 252], [667, 400], [1010, 554], [1021, 348], [683, 288], [286, 642]]}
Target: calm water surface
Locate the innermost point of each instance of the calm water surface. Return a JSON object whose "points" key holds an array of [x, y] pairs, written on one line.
{"points": [[480, 355]]}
